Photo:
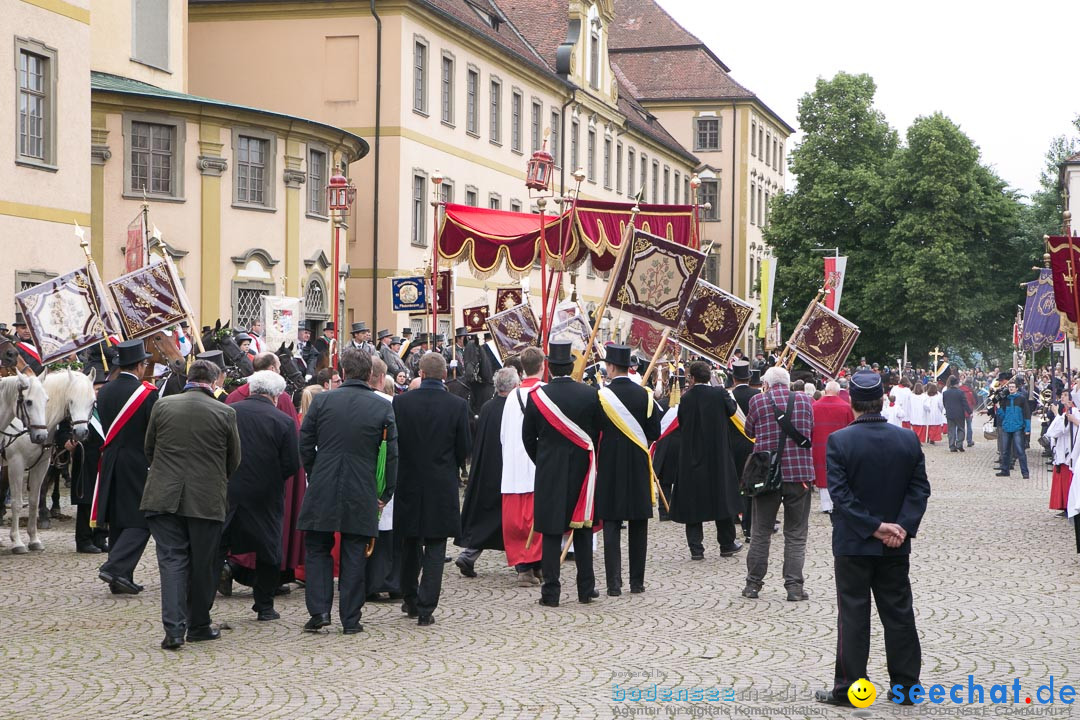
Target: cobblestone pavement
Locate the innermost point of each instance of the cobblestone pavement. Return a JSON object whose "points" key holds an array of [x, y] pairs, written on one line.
{"points": [[996, 594]]}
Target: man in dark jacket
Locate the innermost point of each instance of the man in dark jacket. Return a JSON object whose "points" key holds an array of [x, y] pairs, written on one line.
{"points": [[560, 431], [624, 483], [339, 446], [124, 406], [956, 413], [878, 484], [257, 488], [707, 489], [192, 446], [433, 432]]}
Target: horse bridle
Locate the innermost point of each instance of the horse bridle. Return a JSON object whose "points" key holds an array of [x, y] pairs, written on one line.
{"points": [[23, 416]]}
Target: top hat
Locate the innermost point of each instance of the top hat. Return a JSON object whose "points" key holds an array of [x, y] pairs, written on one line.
{"points": [[740, 370], [329, 326], [618, 355], [131, 352], [3, 327], [383, 334], [358, 327], [422, 339], [461, 332], [559, 353], [395, 340], [755, 377], [184, 324], [20, 321], [241, 337], [206, 329], [309, 325], [214, 356], [440, 338], [406, 332]]}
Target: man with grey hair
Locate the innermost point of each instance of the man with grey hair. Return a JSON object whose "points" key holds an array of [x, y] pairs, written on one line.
{"points": [[781, 420], [481, 511], [257, 489]]}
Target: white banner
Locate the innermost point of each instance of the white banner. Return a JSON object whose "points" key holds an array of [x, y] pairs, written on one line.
{"points": [[282, 318], [835, 267]]}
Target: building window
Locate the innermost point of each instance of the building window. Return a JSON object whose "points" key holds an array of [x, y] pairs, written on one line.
{"points": [[26, 279], [419, 216], [574, 164], [471, 196], [554, 146], [316, 180], [775, 154], [709, 192], [643, 182], [150, 32], [594, 58], [766, 223], [630, 169], [760, 207], [686, 190], [496, 112], [515, 121], [155, 146], [753, 139], [768, 150], [707, 133], [446, 191], [753, 202], [495, 201], [678, 185], [781, 168], [607, 163], [515, 206], [590, 159], [315, 298], [761, 141], [36, 66], [618, 167], [447, 89], [667, 184], [655, 182], [247, 302], [537, 132], [711, 271], [253, 178], [420, 77], [472, 104]]}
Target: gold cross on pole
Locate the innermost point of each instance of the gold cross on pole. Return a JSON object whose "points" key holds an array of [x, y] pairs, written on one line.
{"points": [[936, 354]]}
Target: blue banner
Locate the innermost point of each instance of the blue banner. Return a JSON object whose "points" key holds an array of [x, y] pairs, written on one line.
{"points": [[1041, 319], [409, 294]]}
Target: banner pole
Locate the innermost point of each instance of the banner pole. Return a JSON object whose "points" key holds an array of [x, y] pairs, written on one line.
{"points": [[656, 355]]}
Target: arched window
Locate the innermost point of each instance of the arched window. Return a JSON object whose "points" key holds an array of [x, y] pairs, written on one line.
{"points": [[315, 298]]}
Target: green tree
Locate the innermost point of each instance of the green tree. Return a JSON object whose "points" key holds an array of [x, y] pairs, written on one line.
{"points": [[1047, 202]]}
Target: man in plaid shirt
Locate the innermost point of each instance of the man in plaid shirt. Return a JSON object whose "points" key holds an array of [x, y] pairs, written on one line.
{"points": [[797, 471]]}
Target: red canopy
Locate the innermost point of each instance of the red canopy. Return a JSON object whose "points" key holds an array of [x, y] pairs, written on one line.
{"points": [[481, 237]]}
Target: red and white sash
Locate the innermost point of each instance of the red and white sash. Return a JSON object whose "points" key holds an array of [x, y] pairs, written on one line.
{"points": [[29, 350], [668, 424], [129, 409], [583, 510]]}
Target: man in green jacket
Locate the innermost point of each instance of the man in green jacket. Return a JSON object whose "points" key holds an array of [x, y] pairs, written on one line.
{"points": [[193, 446]]}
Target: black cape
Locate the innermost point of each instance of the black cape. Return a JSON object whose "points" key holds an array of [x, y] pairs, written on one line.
{"points": [[707, 487], [481, 511], [622, 476]]}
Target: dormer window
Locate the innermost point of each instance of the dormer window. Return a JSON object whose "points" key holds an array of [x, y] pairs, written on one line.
{"points": [[594, 49], [490, 19]]}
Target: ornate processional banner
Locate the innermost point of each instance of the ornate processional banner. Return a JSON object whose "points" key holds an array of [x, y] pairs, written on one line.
{"points": [[1065, 266], [149, 299], [506, 298], [475, 318], [714, 322], [825, 340], [645, 338], [282, 318], [514, 330], [1041, 319], [67, 314], [409, 294], [655, 278]]}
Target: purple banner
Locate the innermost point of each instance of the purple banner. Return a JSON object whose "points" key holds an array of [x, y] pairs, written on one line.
{"points": [[1041, 319]]}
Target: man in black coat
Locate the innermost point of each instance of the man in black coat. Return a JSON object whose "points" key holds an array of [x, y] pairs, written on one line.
{"points": [[433, 437], [956, 413], [563, 496], [747, 385], [339, 447], [269, 457], [878, 484], [624, 483], [124, 406], [707, 488]]}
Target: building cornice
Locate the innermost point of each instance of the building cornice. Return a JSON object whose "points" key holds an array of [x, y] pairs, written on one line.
{"points": [[715, 103]]}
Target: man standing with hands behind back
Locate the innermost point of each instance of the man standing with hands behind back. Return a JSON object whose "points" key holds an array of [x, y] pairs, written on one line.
{"points": [[877, 481]]}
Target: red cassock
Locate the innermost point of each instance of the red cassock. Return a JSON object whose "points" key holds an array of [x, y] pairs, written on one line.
{"points": [[1059, 487], [830, 414]]}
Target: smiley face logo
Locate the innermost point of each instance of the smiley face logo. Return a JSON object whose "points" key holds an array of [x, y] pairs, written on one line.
{"points": [[862, 693]]}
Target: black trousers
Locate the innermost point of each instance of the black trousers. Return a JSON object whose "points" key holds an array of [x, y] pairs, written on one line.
{"points": [[319, 567], [638, 531], [695, 535], [125, 549], [887, 578], [422, 573], [187, 553], [84, 534], [267, 575], [551, 551]]}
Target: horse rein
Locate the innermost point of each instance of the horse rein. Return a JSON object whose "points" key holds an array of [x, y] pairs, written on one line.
{"points": [[23, 416]]}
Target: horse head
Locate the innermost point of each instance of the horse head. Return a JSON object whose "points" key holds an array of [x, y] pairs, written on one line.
{"points": [[289, 370], [80, 402], [9, 354], [32, 404], [163, 351], [233, 354]]}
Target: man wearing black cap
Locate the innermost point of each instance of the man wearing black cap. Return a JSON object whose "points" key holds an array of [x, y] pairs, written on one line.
{"points": [[416, 351], [388, 347], [24, 343], [624, 482], [559, 430], [124, 407], [361, 338], [877, 481]]}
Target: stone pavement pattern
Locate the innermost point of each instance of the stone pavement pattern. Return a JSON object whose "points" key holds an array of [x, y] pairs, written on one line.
{"points": [[996, 595]]}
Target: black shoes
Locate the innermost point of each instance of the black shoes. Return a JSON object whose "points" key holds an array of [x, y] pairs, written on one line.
{"points": [[465, 567], [750, 592], [797, 595], [729, 551], [637, 589], [425, 620], [353, 630], [268, 615], [410, 611], [1003, 473], [549, 603], [317, 622], [829, 698], [123, 586], [614, 592], [697, 556], [172, 642], [586, 599], [88, 549], [203, 634]]}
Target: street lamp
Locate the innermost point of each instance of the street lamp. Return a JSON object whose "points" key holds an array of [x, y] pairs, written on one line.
{"points": [[538, 181], [341, 194], [437, 181]]}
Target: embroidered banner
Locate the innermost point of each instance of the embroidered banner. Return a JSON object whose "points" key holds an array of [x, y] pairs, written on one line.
{"points": [[713, 322], [443, 294], [475, 318], [506, 298], [655, 279], [574, 330], [282, 317], [514, 330], [68, 313], [825, 340], [149, 299], [645, 338], [1041, 319], [409, 294], [1064, 264]]}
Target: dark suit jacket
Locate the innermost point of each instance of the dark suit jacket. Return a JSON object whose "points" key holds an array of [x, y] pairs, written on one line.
{"points": [[877, 473], [123, 462], [561, 466], [622, 480], [434, 442], [956, 404]]}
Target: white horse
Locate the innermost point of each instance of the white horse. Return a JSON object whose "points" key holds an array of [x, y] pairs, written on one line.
{"points": [[70, 395], [22, 396]]}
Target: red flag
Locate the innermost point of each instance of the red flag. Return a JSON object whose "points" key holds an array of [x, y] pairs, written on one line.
{"points": [[1064, 263]]}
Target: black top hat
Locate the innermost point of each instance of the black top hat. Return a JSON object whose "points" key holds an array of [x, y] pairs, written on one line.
{"points": [[310, 325], [20, 321], [618, 355], [422, 339], [329, 326], [358, 327], [406, 332], [383, 334], [755, 377], [184, 324], [131, 352], [3, 327], [440, 338], [559, 353], [206, 329], [395, 340], [461, 332], [740, 370], [214, 356]]}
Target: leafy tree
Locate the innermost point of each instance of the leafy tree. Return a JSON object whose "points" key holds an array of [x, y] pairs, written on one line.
{"points": [[1047, 202]]}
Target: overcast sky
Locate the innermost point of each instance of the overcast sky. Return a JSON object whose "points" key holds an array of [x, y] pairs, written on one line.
{"points": [[1002, 71]]}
